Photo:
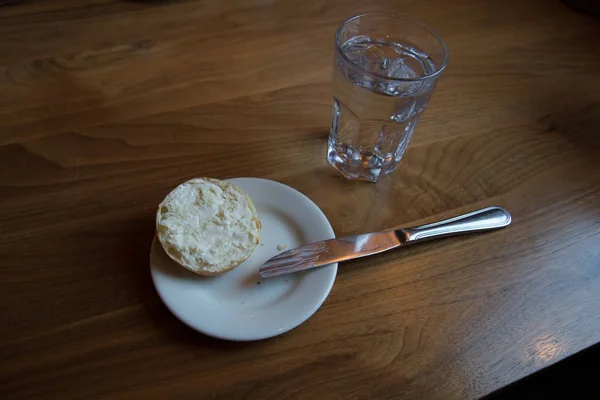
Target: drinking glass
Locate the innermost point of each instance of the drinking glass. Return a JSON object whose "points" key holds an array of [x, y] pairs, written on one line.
{"points": [[386, 68]]}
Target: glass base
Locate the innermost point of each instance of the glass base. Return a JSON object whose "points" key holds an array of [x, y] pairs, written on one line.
{"points": [[361, 165]]}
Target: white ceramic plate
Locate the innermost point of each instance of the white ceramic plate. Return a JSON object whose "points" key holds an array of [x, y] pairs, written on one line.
{"points": [[240, 305]]}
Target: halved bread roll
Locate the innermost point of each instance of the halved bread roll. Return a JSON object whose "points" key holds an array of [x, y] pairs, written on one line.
{"points": [[208, 226]]}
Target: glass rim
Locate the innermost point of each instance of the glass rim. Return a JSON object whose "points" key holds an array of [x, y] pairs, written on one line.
{"points": [[434, 74]]}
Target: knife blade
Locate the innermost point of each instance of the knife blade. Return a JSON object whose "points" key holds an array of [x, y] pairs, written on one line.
{"points": [[329, 251]]}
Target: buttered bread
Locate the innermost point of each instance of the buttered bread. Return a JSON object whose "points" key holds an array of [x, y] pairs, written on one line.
{"points": [[208, 226]]}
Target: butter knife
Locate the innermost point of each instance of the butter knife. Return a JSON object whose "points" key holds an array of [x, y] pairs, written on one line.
{"points": [[349, 247]]}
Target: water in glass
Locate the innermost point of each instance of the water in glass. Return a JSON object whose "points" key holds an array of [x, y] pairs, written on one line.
{"points": [[375, 112]]}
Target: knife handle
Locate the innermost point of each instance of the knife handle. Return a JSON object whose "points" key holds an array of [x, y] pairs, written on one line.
{"points": [[481, 220]]}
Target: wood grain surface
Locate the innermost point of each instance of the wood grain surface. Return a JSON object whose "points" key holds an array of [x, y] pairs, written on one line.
{"points": [[106, 105]]}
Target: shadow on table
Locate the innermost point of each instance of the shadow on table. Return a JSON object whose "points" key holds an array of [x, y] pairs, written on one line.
{"points": [[575, 377], [177, 331], [130, 241]]}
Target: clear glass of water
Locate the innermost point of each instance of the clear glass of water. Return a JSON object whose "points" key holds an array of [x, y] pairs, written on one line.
{"points": [[386, 68]]}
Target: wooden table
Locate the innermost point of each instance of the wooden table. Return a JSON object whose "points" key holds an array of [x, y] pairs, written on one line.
{"points": [[106, 105]]}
